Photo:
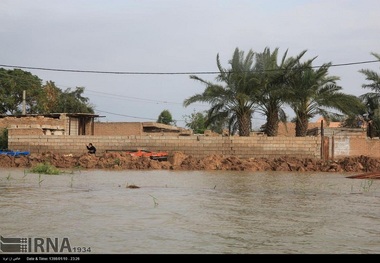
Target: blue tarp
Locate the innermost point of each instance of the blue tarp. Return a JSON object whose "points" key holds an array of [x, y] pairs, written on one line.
{"points": [[14, 153]]}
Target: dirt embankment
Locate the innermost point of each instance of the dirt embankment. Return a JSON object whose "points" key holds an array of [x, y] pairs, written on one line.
{"points": [[180, 161]]}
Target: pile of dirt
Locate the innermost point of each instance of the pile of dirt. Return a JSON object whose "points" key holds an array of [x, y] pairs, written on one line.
{"points": [[181, 161]]}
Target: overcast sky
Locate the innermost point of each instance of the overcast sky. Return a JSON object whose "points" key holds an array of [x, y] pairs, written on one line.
{"points": [[178, 36]]}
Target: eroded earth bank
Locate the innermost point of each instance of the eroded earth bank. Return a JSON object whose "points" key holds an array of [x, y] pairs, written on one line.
{"points": [[180, 161]]}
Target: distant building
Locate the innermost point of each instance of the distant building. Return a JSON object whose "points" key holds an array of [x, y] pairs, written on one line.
{"points": [[81, 124]]}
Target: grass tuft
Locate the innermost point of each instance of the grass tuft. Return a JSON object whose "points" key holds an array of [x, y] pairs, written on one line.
{"points": [[45, 168]]}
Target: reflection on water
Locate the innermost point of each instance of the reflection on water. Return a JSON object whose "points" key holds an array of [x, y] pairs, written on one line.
{"points": [[194, 212]]}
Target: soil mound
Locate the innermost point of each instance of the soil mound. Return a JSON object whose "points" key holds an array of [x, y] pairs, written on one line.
{"points": [[181, 161]]}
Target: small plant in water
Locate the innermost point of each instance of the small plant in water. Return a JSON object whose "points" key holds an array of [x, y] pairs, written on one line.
{"points": [[154, 200], [40, 180], [366, 185], [25, 173], [9, 177], [72, 180]]}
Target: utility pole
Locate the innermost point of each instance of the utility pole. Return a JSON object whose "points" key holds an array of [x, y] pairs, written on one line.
{"points": [[23, 102]]}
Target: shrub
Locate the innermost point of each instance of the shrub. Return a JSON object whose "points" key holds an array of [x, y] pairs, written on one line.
{"points": [[45, 168], [4, 139]]}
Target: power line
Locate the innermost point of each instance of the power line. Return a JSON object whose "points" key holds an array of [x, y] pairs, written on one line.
{"points": [[130, 98], [129, 116], [123, 97], [110, 72], [352, 63], [159, 73], [119, 96], [136, 117]]}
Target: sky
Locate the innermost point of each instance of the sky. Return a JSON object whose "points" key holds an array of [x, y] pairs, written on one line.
{"points": [[145, 50]]}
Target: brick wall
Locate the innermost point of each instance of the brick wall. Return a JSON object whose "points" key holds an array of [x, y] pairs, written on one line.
{"points": [[345, 142], [30, 121], [33, 125], [365, 146], [289, 129], [118, 128], [30, 130], [33, 134], [198, 146]]}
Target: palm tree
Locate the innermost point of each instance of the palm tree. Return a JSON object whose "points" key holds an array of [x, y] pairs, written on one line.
{"points": [[372, 76], [372, 99], [312, 92], [271, 78], [233, 100]]}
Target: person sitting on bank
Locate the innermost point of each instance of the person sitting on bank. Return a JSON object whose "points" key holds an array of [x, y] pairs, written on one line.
{"points": [[91, 148]]}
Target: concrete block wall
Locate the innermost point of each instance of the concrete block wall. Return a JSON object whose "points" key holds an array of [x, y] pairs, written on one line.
{"points": [[289, 128], [19, 131], [47, 125], [30, 121], [365, 146], [197, 146], [118, 128], [353, 144], [340, 146]]}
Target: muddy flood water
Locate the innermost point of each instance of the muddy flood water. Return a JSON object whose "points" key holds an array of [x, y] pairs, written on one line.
{"points": [[193, 212]]}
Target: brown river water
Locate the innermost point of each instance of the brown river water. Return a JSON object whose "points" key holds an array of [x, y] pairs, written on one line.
{"points": [[193, 212]]}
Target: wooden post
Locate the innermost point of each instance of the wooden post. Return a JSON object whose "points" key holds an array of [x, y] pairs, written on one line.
{"points": [[92, 126], [332, 147], [322, 141]]}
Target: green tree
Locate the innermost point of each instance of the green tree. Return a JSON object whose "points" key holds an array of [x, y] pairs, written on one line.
{"points": [[4, 139], [12, 85], [313, 92], [233, 100], [165, 117], [73, 102], [55, 100], [196, 121], [49, 99], [40, 99], [372, 99]]}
